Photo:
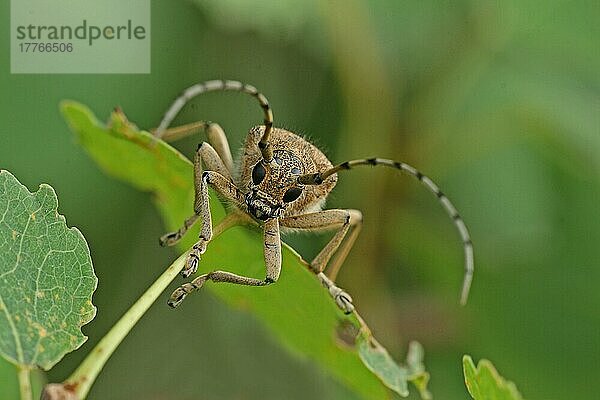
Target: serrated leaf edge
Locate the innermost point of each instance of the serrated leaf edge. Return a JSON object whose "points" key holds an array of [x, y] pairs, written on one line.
{"points": [[86, 317]]}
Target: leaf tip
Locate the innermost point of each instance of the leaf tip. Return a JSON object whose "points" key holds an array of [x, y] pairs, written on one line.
{"points": [[467, 362], [483, 381]]}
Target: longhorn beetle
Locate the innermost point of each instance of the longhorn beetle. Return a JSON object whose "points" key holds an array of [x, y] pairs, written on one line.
{"points": [[283, 181]]}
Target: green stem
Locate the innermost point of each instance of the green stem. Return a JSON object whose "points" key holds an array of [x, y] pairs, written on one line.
{"points": [[80, 382], [82, 379], [24, 382]]}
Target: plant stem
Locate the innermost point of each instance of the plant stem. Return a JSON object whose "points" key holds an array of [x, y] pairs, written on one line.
{"points": [[82, 379], [84, 376], [24, 382]]}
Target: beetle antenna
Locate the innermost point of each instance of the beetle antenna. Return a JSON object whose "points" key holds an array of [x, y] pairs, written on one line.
{"points": [[222, 85], [319, 177]]}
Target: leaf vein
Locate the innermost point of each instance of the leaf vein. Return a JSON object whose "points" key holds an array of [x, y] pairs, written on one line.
{"points": [[13, 328]]}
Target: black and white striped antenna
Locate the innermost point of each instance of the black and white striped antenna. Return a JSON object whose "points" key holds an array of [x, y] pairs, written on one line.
{"points": [[319, 177], [222, 85]]}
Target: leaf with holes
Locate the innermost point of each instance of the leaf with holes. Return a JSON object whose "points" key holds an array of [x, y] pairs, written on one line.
{"points": [[46, 277], [484, 382], [331, 339]]}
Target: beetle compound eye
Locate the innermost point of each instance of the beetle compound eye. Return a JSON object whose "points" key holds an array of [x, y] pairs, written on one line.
{"points": [[258, 173], [292, 194]]}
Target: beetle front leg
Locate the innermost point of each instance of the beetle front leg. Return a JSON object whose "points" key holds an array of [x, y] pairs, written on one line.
{"points": [[272, 253], [206, 158], [226, 189]]}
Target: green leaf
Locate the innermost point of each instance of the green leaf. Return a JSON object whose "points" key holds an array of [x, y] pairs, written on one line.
{"points": [[297, 310], [377, 359], [9, 389], [46, 277], [484, 382], [9, 383]]}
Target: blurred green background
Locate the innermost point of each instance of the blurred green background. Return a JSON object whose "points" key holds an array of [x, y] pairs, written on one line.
{"points": [[498, 102]]}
